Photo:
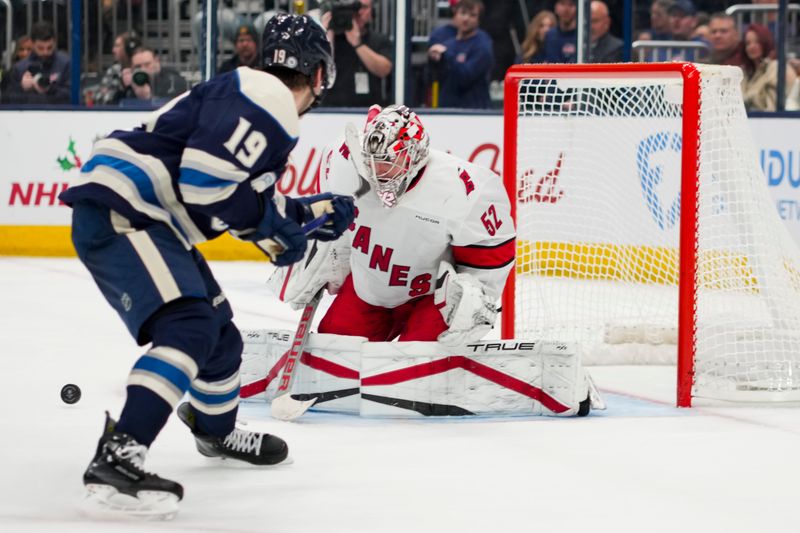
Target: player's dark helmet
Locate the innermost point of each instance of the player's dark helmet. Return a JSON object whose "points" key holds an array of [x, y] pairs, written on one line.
{"points": [[297, 42]]}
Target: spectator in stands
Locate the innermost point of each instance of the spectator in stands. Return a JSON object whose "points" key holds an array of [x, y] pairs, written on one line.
{"points": [[533, 45], [605, 48], [152, 82], [363, 59], [660, 25], [561, 42], [116, 82], [465, 60], [22, 49], [726, 42], [245, 52], [44, 76], [761, 70], [683, 21]]}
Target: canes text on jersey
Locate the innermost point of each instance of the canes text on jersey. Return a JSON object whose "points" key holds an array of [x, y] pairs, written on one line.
{"points": [[380, 258]]}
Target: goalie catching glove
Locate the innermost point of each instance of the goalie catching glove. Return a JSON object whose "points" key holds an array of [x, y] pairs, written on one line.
{"points": [[466, 308]]}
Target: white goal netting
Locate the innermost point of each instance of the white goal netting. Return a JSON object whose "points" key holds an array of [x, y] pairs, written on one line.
{"points": [[598, 196]]}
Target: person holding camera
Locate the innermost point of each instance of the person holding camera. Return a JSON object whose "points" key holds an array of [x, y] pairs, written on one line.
{"points": [[150, 81], [116, 82], [363, 57], [44, 76]]}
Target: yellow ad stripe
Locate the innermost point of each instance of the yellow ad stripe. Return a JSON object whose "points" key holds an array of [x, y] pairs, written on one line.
{"points": [[54, 241]]}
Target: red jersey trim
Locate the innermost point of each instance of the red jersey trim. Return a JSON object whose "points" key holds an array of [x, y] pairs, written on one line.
{"points": [[477, 256]]}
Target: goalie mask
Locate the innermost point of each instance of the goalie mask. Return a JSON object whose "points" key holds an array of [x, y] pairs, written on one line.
{"points": [[394, 149]]}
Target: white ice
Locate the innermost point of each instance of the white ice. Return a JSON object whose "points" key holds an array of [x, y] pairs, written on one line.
{"points": [[641, 466]]}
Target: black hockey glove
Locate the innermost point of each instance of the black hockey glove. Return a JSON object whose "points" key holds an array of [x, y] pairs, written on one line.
{"points": [[340, 209], [280, 237]]}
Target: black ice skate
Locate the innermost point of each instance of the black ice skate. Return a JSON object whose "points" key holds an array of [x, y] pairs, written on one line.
{"points": [[117, 484], [249, 446]]}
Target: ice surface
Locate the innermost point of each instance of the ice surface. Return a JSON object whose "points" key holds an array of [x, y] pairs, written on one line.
{"points": [[642, 465]]}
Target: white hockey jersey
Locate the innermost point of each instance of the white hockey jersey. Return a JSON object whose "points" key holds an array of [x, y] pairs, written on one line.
{"points": [[453, 210]]}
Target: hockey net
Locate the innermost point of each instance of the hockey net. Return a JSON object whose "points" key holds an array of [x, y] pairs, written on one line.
{"points": [[645, 228]]}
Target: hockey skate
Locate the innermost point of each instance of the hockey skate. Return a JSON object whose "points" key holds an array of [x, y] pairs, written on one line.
{"points": [[248, 446], [117, 485]]}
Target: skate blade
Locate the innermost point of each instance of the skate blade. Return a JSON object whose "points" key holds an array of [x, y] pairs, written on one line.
{"points": [[240, 464], [106, 502], [287, 408]]}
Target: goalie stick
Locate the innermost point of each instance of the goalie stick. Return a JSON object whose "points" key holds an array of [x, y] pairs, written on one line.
{"points": [[284, 407]]}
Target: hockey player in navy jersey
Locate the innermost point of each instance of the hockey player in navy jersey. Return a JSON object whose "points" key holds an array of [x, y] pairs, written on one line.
{"points": [[205, 163]]}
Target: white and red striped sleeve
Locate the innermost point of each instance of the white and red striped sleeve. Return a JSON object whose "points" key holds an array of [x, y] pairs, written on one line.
{"points": [[484, 245]]}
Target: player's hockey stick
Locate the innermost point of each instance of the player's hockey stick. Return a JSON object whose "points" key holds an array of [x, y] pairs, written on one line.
{"points": [[284, 407]]}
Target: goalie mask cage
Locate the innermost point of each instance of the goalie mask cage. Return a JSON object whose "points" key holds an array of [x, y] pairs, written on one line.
{"points": [[644, 223]]}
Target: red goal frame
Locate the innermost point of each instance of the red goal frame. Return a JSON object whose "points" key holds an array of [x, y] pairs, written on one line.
{"points": [[690, 167]]}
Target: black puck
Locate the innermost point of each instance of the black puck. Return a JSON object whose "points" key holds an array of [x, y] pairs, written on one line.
{"points": [[70, 393]]}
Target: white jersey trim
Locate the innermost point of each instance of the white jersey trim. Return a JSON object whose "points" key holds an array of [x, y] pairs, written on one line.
{"points": [[161, 180], [269, 93]]}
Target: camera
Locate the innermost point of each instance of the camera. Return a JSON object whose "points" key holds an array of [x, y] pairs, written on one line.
{"points": [[37, 71], [342, 12], [140, 77]]}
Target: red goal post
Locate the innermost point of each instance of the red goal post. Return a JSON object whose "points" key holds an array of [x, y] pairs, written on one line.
{"points": [[645, 230]]}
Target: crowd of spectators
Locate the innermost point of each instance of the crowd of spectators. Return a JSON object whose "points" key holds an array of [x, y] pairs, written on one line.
{"points": [[41, 74], [466, 55]]}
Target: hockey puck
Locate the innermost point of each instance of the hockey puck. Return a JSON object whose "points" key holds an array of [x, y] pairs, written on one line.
{"points": [[70, 393]]}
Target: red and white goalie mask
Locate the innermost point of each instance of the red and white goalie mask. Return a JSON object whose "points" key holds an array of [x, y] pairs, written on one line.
{"points": [[394, 148]]}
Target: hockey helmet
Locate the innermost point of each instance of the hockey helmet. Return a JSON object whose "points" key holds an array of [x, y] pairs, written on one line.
{"points": [[297, 42], [395, 147]]}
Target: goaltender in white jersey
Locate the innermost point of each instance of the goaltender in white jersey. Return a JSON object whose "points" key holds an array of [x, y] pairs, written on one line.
{"points": [[431, 246], [425, 259]]}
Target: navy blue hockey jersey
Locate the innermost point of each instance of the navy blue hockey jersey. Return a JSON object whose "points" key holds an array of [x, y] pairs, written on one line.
{"points": [[196, 163]]}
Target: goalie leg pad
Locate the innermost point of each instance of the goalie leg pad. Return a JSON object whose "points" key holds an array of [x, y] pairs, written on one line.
{"points": [[263, 357], [330, 373], [413, 379], [509, 377]]}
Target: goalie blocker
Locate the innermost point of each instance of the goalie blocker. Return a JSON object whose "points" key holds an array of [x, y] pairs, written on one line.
{"points": [[412, 379]]}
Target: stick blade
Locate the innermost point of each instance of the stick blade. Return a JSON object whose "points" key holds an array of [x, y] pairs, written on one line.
{"points": [[284, 407]]}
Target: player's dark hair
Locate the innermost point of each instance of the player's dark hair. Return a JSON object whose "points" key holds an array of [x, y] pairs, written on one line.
{"points": [[42, 31], [291, 78]]}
